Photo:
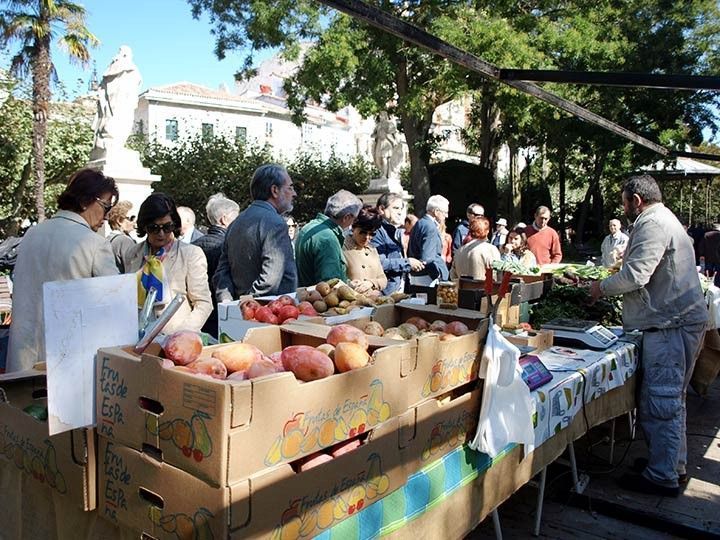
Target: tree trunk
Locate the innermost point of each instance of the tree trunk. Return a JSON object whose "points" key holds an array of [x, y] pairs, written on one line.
{"points": [[489, 126], [416, 133], [515, 180], [40, 66], [562, 181], [594, 186]]}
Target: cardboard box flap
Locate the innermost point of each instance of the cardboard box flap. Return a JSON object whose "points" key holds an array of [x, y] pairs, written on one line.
{"points": [[21, 375]]}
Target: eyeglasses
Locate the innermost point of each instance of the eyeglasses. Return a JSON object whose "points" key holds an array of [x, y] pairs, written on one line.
{"points": [[154, 228], [130, 218], [105, 206]]}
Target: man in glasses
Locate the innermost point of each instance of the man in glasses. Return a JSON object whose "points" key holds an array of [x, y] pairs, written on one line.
{"points": [[257, 256], [463, 228]]}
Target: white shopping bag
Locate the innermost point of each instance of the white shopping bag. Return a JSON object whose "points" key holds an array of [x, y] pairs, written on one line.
{"points": [[507, 406], [713, 300]]}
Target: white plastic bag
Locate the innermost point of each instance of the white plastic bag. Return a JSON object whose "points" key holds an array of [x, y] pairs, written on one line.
{"points": [[713, 299], [507, 406]]}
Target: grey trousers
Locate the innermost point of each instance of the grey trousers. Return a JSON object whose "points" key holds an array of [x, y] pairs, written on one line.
{"points": [[668, 359]]}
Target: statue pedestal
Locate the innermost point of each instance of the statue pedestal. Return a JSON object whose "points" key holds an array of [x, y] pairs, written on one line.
{"points": [[133, 180], [378, 186]]}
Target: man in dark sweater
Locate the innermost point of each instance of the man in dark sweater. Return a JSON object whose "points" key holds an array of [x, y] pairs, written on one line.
{"points": [[221, 212]]}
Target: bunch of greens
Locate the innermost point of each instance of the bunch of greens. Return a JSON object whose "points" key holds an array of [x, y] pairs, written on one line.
{"points": [[571, 302], [516, 268]]}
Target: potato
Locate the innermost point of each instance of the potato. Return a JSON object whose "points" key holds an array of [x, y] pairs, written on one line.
{"points": [[374, 328], [347, 333], [457, 328], [393, 333], [323, 288], [262, 367], [238, 356], [183, 347], [307, 363], [408, 330], [320, 306], [419, 322], [313, 460], [345, 447], [349, 356], [438, 326], [327, 349], [209, 366]]}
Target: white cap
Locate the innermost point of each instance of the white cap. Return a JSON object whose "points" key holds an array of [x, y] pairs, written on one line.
{"points": [[502, 221]]}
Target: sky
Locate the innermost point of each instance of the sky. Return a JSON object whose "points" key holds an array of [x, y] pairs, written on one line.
{"points": [[168, 44]]}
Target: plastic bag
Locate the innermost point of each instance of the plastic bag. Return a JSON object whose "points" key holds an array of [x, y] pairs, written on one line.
{"points": [[507, 406], [713, 300]]}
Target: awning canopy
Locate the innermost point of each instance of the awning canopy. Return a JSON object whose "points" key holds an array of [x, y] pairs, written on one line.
{"points": [[682, 168]]}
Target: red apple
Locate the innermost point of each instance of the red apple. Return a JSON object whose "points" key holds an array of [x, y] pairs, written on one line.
{"points": [[248, 308]]}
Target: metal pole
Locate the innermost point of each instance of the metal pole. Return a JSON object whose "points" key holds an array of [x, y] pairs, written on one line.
{"points": [[540, 500]]}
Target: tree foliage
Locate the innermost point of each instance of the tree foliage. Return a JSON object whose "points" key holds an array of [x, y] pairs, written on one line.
{"points": [[69, 141], [198, 167], [34, 25]]}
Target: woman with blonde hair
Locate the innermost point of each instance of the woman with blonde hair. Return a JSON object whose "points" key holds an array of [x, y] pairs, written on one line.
{"points": [[473, 258], [121, 225]]}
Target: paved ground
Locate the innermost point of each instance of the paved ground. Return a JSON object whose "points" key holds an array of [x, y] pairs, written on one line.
{"points": [[606, 511]]}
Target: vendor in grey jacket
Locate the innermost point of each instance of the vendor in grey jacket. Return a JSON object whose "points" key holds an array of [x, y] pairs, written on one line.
{"points": [[662, 297], [257, 256]]}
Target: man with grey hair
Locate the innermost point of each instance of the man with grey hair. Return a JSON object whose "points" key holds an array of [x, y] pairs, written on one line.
{"points": [[463, 228], [257, 256], [426, 242], [187, 225], [662, 297], [613, 245], [318, 247], [543, 240], [221, 212]]}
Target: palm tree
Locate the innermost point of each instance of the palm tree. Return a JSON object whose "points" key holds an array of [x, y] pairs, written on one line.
{"points": [[35, 24]]}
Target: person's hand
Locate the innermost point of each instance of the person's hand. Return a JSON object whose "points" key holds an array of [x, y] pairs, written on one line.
{"points": [[415, 264], [595, 291], [363, 286], [506, 249]]}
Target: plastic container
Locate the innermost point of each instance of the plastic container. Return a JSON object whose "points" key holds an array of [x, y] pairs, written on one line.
{"points": [[447, 294]]}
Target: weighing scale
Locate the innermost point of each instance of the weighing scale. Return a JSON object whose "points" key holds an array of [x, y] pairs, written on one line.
{"points": [[581, 334]]}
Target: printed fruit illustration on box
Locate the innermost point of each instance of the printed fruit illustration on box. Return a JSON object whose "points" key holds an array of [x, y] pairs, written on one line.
{"points": [[39, 463], [182, 526], [448, 373], [297, 522], [190, 437], [448, 433], [300, 436]]}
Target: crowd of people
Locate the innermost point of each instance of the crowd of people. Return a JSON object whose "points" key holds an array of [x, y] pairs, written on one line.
{"points": [[378, 249]]}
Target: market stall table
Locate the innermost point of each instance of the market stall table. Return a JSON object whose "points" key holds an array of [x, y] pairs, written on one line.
{"points": [[447, 498]]}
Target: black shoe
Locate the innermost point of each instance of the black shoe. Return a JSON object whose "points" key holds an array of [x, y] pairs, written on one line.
{"points": [[639, 466], [640, 484]]}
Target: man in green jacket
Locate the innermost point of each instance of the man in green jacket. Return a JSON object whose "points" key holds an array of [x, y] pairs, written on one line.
{"points": [[318, 248]]}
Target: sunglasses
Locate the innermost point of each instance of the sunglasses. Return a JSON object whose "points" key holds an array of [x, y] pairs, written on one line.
{"points": [[130, 218], [154, 228], [105, 206]]}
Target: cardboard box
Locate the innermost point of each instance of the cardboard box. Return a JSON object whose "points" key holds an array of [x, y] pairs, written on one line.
{"points": [[231, 322], [65, 462], [438, 426], [439, 366], [539, 340], [224, 431], [157, 499]]}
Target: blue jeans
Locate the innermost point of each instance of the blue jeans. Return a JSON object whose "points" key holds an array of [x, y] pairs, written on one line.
{"points": [[668, 359]]}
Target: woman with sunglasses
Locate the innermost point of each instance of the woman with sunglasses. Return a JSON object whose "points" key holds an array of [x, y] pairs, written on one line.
{"points": [[171, 266], [64, 247], [364, 269], [121, 225]]}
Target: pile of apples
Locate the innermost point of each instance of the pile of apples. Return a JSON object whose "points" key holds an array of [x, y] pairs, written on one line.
{"points": [[416, 327], [345, 349], [278, 311]]}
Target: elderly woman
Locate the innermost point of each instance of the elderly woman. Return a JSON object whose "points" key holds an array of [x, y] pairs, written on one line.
{"points": [[364, 269], [516, 250], [63, 247], [478, 254], [121, 225], [171, 266]]}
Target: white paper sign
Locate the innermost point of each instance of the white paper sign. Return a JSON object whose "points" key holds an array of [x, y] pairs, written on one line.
{"points": [[80, 317]]}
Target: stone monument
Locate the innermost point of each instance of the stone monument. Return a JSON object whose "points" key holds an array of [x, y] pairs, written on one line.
{"points": [[388, 154], [114, 120]]}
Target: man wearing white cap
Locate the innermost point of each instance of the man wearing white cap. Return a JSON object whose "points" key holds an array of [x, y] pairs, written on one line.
{"points": [[500, 234]]}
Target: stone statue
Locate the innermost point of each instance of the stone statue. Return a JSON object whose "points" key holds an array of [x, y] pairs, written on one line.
{"points": [[387, 148], [117, 101]]}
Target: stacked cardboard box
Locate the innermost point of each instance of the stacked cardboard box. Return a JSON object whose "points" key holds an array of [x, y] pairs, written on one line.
{"points": [[64, 463], [181, 452]]}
